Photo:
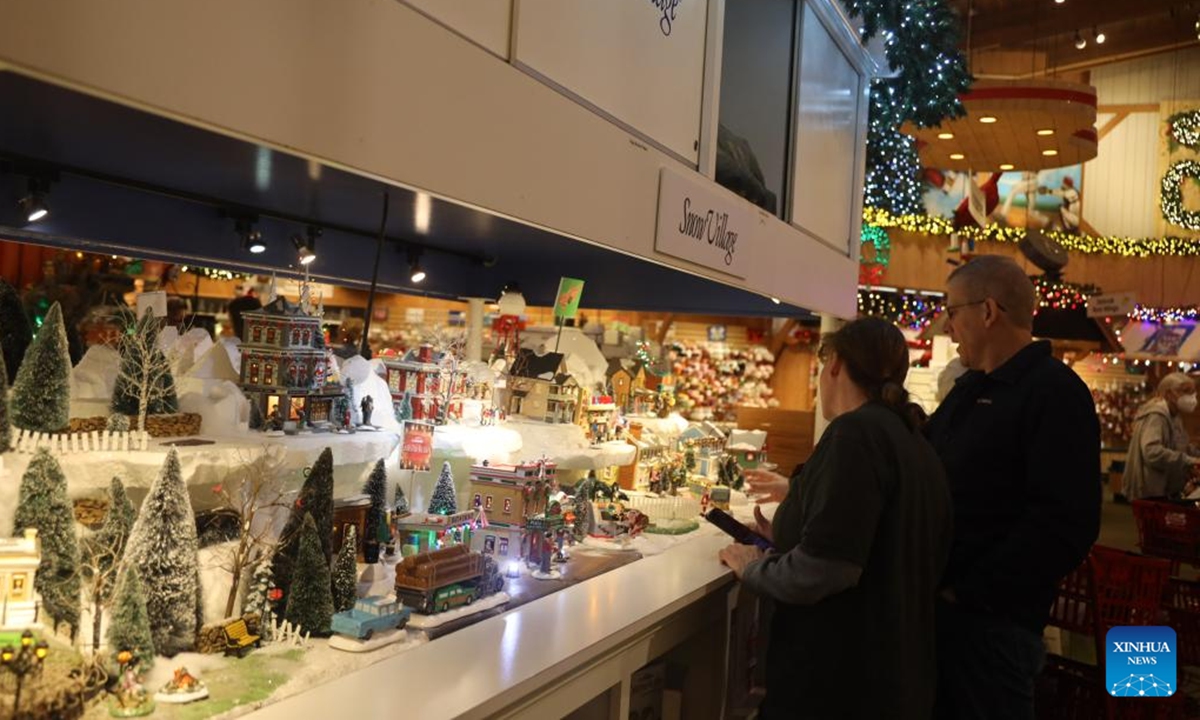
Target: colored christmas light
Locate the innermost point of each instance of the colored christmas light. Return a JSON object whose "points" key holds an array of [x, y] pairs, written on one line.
{"points": [[914, 311]]}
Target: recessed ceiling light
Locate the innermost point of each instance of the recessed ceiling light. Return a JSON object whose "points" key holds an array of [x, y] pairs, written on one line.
{"points": [[1099, 36], [1050, 153], [775, 300], [1045, 131], [987, 119], [1007, 166], [1059, 2], [957, 156], [946, 136], [1080, 41]]}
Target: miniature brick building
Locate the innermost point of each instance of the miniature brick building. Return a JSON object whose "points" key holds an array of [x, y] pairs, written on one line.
{"points": [[435, 390], [506, 495]]}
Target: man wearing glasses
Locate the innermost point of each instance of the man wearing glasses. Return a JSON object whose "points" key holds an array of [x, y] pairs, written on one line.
{"points": [[1020, 441]]}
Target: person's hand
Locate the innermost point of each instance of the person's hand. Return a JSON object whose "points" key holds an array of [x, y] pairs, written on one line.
{"points": [[772, 484], [762, 525], [737, 557]]}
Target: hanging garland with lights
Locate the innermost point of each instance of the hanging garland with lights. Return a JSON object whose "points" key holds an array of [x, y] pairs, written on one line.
{"points": [[1172, 194], [1054, 294], [914, 311], [1165, 315], [870, 270], [1087, 244], [1185, 128]]}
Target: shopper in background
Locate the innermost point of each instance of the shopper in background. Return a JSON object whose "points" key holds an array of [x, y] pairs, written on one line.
{"points": [[862, 536], [1160, 460], [1020, 441]]}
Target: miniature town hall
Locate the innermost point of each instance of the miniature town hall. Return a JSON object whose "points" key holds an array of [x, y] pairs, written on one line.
{"points": [[285, 367]]}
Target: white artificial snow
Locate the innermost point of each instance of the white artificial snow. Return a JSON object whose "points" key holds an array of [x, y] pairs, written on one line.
{"points": [[95, 375], [378, 640], [520, 440], [215, 364], [215, 561], [427, 622], [221, 405], [367, 381]]}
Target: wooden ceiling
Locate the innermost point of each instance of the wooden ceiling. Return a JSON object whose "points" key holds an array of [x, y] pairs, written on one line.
{"points": [[1026, 37]]}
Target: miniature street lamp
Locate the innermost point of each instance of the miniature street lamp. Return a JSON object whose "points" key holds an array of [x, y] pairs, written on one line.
{"points": [[23, 661]]}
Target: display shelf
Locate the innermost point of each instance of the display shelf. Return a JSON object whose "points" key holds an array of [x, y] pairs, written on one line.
{"points": [[543, 659]]}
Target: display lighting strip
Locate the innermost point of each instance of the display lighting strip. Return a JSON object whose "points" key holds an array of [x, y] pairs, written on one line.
{"points": [[1165, 315], [1087, 244]]}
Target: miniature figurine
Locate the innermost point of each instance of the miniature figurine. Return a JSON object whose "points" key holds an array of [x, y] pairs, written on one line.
{"points": [[368, 406], [129, 699], [182, 688], [546, 554], [560, 537]]}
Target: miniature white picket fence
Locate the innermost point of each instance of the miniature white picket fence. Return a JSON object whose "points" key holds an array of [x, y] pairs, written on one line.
{"points": [[286, 633], [680, 506], [81, 442]]}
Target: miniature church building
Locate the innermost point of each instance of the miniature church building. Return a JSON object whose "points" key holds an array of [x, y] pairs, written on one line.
{"points": [[284, 367], [539, 388], [19, 559]]}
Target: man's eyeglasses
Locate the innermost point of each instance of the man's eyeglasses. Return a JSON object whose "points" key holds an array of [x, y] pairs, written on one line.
{"points": [[951, 310]]}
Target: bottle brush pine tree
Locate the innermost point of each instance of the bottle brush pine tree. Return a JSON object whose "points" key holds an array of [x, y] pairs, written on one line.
{"points": [[258, 596], [15, 333], [5, 428], [129, 626], [41, 399], [444, 500], [163, 546], [345, 572], [117, 423], [400, 502], [42, 503], [103, 551], [310, 599], [315, 499], [375, 532]]}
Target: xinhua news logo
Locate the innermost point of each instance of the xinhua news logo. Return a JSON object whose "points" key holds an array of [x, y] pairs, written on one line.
{"points": [[1141, 662]]}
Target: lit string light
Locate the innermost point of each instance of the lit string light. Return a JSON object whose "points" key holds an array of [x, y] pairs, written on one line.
{"points": [[1165, 315], [1083, 243], [914, 311], [213, 273], [1171, 195], [1055, 294]]}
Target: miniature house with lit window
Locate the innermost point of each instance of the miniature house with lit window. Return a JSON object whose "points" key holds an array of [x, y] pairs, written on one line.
{"points": [[19, 559], [539, 388], [285, 367], [435, 390], [707, 442], [509, 495], [421, 532]]}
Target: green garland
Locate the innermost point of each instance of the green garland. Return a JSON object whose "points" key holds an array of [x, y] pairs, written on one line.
{"points": [[1185, 128], [1172, 194]]}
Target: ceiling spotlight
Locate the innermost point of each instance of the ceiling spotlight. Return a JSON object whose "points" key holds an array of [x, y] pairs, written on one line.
{"points": [[1050, 153], [946, 136], [1080, 42], [306, 244], [987, 119], [1007, 166], [414, 265], [774, 299], [251, 237], [34, 204], [957, 156], [1045, 131], [1059, 2], [1099, 36]]}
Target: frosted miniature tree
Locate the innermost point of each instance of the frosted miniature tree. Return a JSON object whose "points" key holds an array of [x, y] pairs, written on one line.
{"points": [[257, 487], [376, 529], [42, 503], [399, 502], [345, 572], [117, 423], [404, 410], [102, 553], [689, 460], [315, 499], [5, 428], [144, 384], [258, 597], [444, 500], [129, 627], [15, 333], [41, 399], [163, 546], [310, 599]]}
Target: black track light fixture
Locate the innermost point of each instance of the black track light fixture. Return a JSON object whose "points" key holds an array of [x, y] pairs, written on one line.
{"points": [[417, 273], [306, 244], [34, 203], [252, 239], [1080, 41]]}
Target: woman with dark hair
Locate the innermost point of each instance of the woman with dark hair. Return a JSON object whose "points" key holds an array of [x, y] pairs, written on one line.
{"points": [[861, 537]]}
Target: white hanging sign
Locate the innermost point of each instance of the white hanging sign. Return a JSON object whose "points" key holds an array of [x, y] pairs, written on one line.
{"points": [[702, 224], [1111, 304]]}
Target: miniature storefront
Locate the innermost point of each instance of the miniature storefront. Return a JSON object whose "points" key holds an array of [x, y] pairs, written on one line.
{"points": [[506, 494], [19, 559]]}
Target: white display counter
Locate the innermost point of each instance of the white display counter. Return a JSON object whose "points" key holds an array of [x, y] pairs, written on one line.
{"points": [[574, 649]]}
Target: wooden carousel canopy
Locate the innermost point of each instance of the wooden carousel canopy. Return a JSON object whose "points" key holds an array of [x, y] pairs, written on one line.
{"points": [[1014, 125]]}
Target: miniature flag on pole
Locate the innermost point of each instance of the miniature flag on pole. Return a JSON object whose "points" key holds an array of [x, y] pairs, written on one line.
{"points": [[567, 303]]}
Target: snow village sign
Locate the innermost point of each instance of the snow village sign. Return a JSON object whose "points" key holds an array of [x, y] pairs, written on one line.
{"points": [[702, 224]]}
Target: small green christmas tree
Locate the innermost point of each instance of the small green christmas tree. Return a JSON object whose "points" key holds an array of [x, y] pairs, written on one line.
{"points": [[444, 501], [15, 333], [5, 428], [310, 599], [258, 596], [400, 502], [163, 546], [117, 423], [404, 411], [376, 531], [103, 551], [129, 626], [41, 398], [42, 503], [345, 572], [315, 499]]}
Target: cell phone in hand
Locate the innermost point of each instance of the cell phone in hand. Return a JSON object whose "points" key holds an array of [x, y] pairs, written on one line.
{"points": [[739, 532]]}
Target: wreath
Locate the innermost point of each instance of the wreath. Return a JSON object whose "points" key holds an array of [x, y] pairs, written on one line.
{"points": [[1184, 128], [1172, 194]]}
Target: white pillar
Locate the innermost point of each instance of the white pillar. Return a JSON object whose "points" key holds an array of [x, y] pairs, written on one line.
{"points": [[829, 324], [474, 329]]}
